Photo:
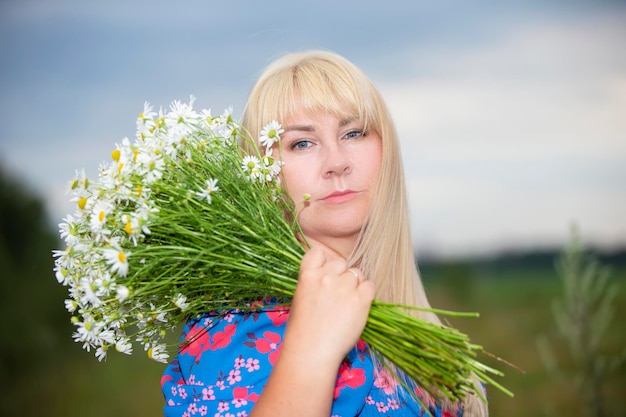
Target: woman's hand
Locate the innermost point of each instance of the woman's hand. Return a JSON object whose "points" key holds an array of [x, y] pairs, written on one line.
{"points": [[329, 311], [330, 307]]}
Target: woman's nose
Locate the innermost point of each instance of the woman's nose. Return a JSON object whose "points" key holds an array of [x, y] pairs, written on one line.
{"points": [[336, 162]]}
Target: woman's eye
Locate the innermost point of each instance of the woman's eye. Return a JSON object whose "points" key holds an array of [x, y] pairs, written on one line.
{"points": [[300, 144], [354, 134]]}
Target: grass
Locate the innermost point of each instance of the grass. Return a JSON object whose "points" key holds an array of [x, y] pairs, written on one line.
{"points": [[515, 309]]}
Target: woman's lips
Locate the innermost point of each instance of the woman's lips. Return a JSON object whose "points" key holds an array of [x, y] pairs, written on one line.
{"points": [[340, 196]]}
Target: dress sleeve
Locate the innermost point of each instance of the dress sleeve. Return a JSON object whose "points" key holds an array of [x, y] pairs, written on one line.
{"points": [[223, 363]]}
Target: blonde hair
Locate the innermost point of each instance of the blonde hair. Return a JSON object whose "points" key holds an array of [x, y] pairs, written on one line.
{"points": [[321, 81]]}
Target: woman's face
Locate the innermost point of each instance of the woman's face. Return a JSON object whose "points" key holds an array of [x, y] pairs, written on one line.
{"points": [[335, 162]]}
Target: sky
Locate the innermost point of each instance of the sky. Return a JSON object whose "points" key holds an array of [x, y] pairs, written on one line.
{"points": [[511, 115]]}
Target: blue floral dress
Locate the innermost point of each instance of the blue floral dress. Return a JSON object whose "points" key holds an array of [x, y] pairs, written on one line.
{"points": [[226, 358]]}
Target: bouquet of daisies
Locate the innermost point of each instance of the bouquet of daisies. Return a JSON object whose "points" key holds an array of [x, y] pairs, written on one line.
{"points": [[181, 221]]}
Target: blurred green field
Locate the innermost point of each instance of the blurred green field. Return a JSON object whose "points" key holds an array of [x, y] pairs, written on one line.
{"points": [[515, 310]]}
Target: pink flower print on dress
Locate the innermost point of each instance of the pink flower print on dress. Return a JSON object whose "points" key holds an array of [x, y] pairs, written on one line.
{"points": [[223, 406], [348, 377], [220, 340], [240, 362], [234, 376], [252, 364], [392, 404], [196, 341], [166, 378], [361, 345], [241, 396], [270, 342], [208, 394], [382, 408], [278, 315], [385, 382]]}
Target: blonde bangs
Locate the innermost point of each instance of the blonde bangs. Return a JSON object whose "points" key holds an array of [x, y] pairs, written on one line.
{"points": [[311, 83]]}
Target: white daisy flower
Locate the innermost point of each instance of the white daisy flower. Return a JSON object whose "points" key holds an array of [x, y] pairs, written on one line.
{"points": [[65, 260], [99, 217], [145, 121], [79, 184], [87, 330], [87, 289], [123, 345], [272, 166], [151, 166], [211, 187], [104, 282], [117, 260], [107, 336], [270, 134], [182, 116], [158, 353], [206, 118], [68, 230], [251, 164], [121, 293], [62, 275], [71, 305], [181, 302], [101, 352]]}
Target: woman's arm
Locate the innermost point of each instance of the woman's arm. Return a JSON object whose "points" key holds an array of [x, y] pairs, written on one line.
{"points": [[328, 314]]}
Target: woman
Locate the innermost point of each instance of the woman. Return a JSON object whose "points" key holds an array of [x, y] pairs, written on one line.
{"points": [[342, 167]]}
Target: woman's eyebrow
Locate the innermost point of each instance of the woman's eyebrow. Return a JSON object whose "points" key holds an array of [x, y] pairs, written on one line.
{"points": [[301, 128], [347, 121]]}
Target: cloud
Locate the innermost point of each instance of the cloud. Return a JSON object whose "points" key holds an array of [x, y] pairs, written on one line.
{"points": [[510, 142]]}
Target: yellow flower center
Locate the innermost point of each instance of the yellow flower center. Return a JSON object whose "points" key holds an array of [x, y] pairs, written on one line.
{"points": [[128, 228], [116, 155], [121, 256], [82, 202], [101, 216]]}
